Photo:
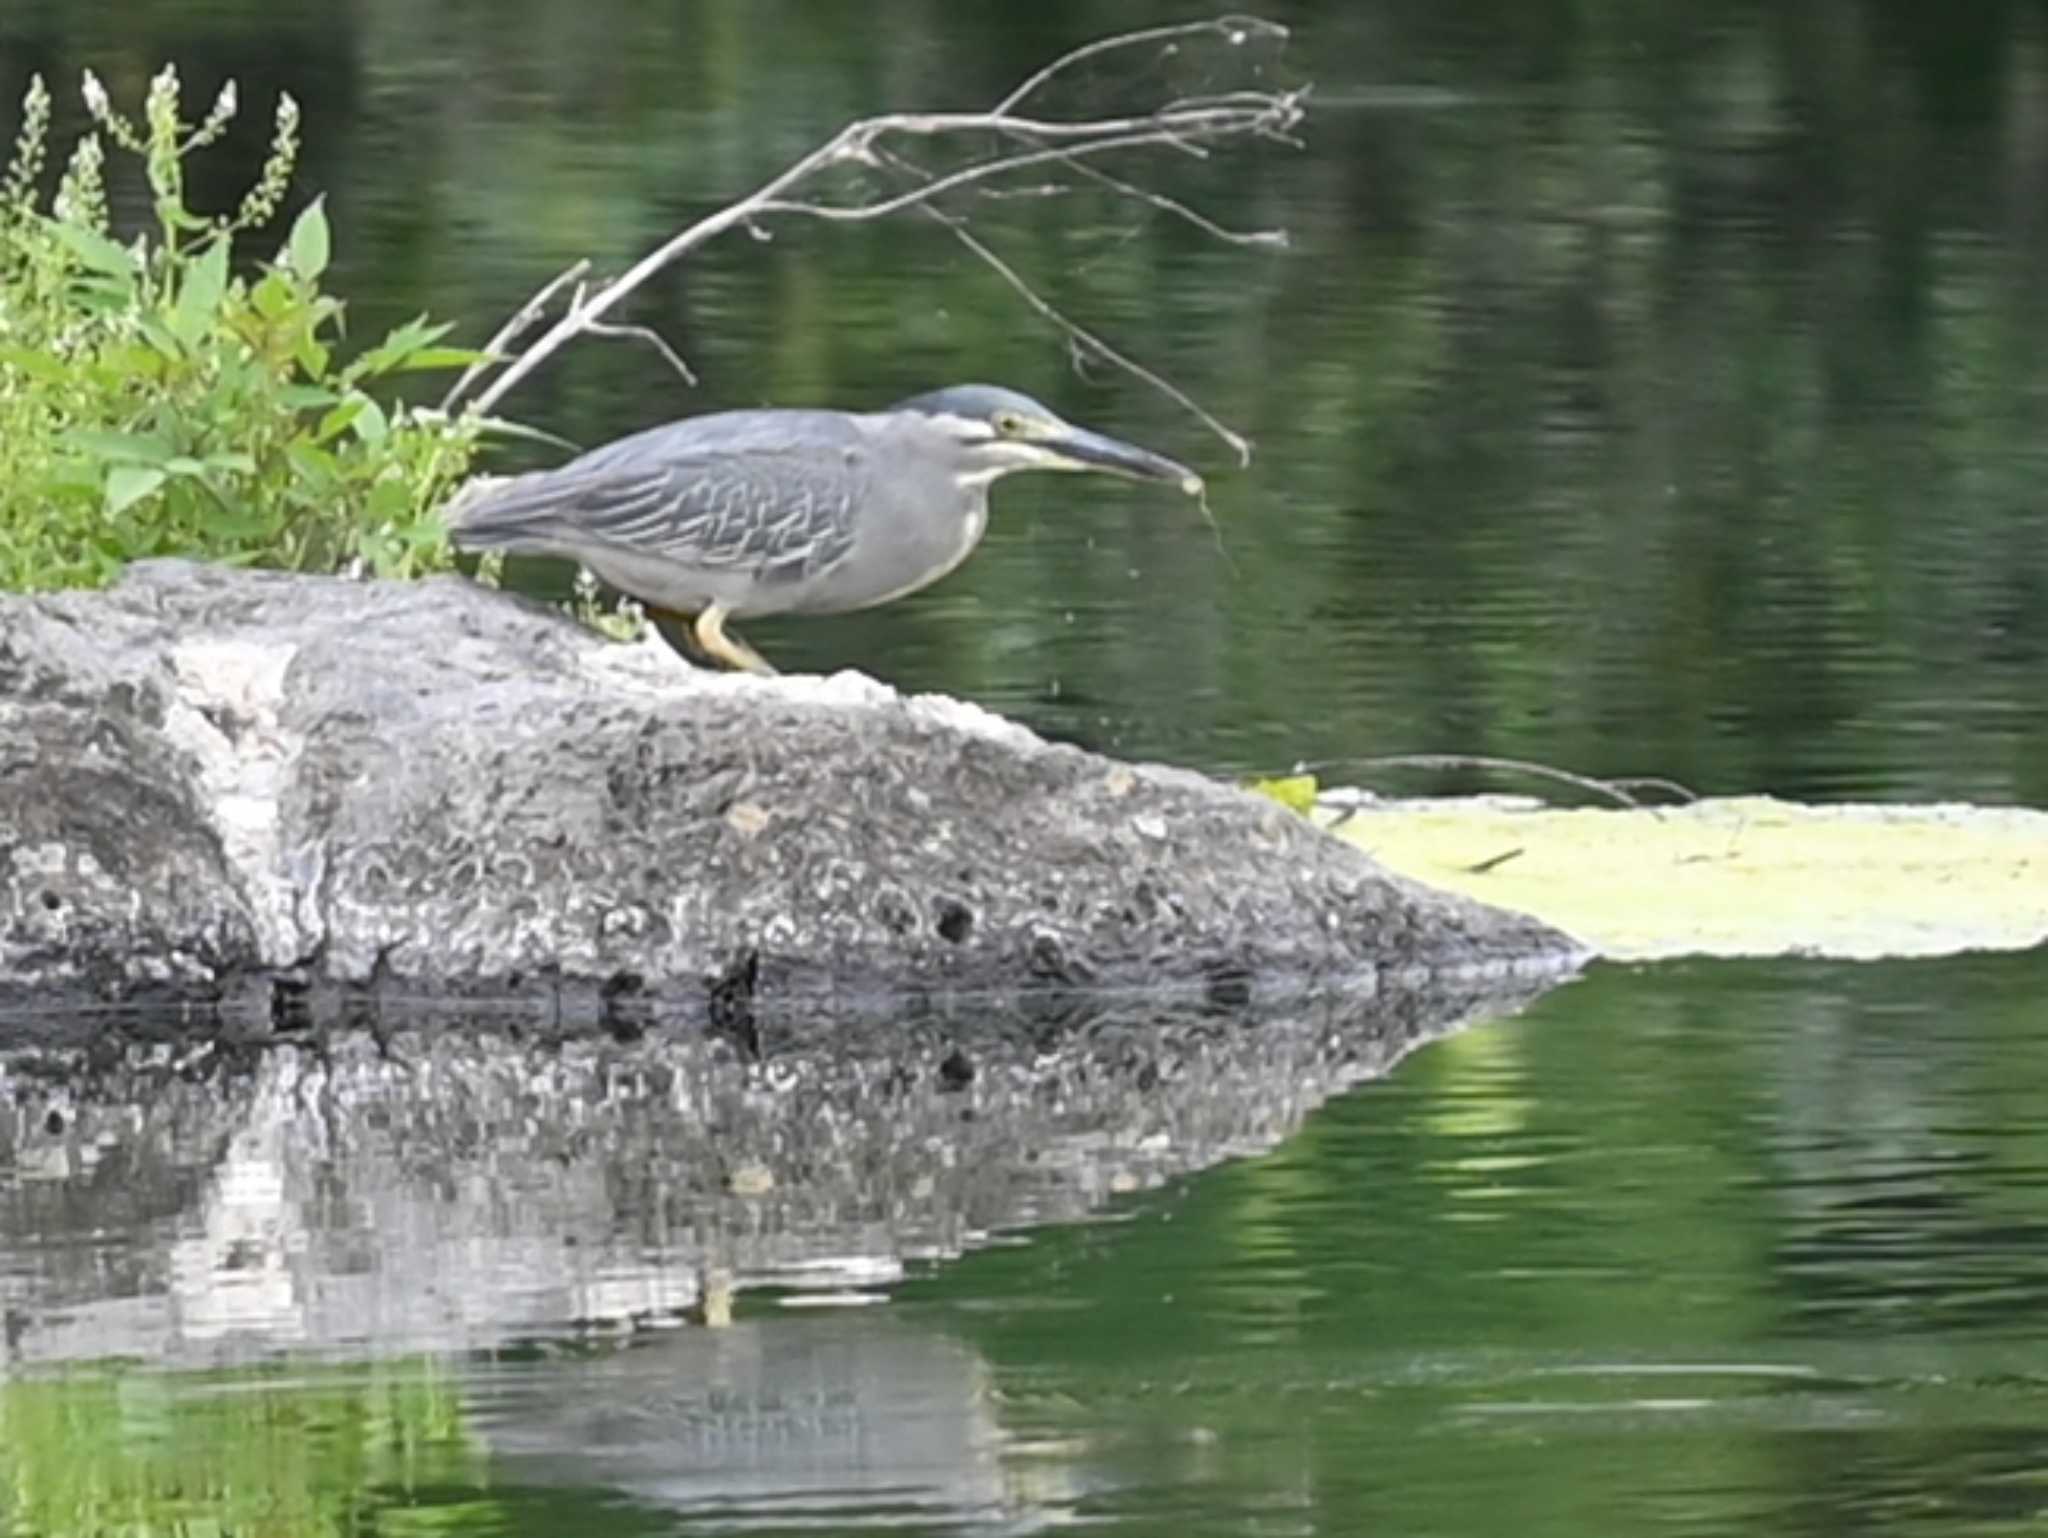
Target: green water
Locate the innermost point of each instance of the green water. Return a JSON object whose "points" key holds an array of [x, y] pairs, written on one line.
{"points": [[1648, 389], [1690, 1249]]}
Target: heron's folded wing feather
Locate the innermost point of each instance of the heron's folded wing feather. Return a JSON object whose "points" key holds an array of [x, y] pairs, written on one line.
{"points": [[781, 510]]}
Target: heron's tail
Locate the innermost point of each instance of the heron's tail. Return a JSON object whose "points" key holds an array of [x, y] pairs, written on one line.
{"points": [[492, 512]]}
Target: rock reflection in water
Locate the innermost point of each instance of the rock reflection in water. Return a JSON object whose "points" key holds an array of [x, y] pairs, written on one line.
{"points": [[452, 1184], [790, 1416]]}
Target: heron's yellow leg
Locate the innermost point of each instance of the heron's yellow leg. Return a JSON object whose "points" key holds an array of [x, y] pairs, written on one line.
{"points": [[678, 630], [729, 649]]}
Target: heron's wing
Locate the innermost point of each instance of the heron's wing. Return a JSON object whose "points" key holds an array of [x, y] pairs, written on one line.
{"points": [[777, 503]]}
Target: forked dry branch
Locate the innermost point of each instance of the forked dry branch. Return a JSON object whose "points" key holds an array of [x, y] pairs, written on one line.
{"points": [[1031, 142]]}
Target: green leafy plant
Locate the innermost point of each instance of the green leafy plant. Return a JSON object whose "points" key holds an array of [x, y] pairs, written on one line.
{"points": [[157, 397]]}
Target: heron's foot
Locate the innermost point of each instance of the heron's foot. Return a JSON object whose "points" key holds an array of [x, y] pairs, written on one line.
{"points": [[710, 634], [677, 631]]}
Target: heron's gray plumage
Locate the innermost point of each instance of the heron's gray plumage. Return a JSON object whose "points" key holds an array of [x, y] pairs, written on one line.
{"points": [[735, 491], [743, 513]]}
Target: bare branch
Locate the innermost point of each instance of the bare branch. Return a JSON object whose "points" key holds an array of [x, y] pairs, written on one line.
{"points": [[1617, 791], [1083, 345], [1035, 191], [514, 329], [741, 213], [1189, 126], [1671, 788], [652, 338], [1088, 343], [1271, 239], [1252, 111], [980, 172]]}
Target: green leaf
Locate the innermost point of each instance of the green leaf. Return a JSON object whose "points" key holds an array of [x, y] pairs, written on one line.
{"points": [[403, 342], [313, 355], [94, 249], [313, 462], [122, 363], [299, 397], [444, 357], [77, 482], [239, 520], [239, 463], [390, 499], [161, 338], [272, 296], [103, 295], [199, 297], [504, 427], [35, 364], [307, 248], [173, 215], [1296, 792], [121, 448], [129, 484], [336, 421], [370, 424]]}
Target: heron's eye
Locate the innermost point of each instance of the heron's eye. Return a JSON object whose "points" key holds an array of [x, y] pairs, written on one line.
{"points": [[1009, 424]]}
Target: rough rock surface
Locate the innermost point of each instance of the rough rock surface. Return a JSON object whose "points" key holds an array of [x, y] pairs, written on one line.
{"points": [[214, 783]]}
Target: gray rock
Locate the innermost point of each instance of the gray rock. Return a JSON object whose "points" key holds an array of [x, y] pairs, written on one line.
{"points": [[214, 781]]}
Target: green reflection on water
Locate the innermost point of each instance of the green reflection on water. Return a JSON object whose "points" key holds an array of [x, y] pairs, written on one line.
{"points": [[1648, 389], [1684, 1247], [279, 1451]]}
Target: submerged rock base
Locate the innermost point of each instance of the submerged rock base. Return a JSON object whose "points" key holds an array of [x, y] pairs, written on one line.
{"points": [[256, 789]]}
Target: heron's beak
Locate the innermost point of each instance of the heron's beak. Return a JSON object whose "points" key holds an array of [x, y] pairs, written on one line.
{"points": [[1079, 449]]}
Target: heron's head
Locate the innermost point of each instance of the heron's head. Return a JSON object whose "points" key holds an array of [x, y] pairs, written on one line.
{"points": [[989, 432]]}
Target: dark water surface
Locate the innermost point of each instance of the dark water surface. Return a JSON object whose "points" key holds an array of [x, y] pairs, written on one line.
{"points": [[1648, 389], [1689, 1249]]}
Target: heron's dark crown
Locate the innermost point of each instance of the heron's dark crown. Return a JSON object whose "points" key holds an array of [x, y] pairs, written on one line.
{"points": [[979, 401]]}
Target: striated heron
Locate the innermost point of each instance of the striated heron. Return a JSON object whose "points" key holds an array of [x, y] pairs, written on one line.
{"points": [[744, 513]]}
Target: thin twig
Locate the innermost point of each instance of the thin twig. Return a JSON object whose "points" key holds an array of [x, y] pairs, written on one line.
{"points": [[1089, 342], [1610, 790], [1252, 110], [984, 170], [1235, 28], [1671, 788], [1494, 862], [1271, 239], [1126, 189], [579, 318], [514, 329], [652, 338], [1083, 342]]}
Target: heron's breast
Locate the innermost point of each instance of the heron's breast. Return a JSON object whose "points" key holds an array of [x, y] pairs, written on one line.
{"points": [[966, 534], [891, 563]]}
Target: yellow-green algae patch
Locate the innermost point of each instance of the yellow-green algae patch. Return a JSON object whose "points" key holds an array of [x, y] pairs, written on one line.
{"points": [[1747, 876]]}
